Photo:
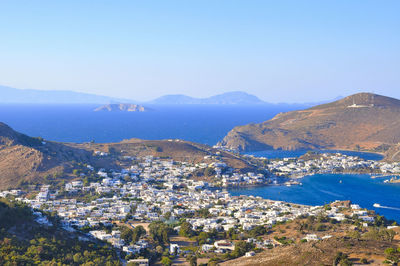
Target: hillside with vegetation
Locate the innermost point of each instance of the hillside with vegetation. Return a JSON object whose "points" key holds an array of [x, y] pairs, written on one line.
{"points": [[363, 121], [23, 241]]}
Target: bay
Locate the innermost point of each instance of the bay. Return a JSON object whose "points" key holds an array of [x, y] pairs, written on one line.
{"points": [[321, 189]]}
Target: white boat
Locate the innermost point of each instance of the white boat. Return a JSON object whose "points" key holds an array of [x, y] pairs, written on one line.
{"points": [[376, 205]]}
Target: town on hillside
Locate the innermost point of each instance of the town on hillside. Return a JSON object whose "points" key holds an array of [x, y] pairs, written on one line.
{"points": [[156, 211]]}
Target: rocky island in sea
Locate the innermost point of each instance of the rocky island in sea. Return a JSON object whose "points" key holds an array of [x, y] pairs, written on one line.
{"points": [[122, 107]]}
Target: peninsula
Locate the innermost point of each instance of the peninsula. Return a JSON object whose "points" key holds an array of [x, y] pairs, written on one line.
{"points": [[360, 122]]}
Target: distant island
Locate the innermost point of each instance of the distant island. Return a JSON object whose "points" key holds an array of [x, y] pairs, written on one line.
{"points": [[122, 107], [229, 98], [28, 96], [235, 98]]}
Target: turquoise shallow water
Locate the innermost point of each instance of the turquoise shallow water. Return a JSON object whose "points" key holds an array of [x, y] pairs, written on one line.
{"points": [[324, 188]]}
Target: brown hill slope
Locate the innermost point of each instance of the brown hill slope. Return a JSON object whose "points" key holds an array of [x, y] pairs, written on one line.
{"points": [[178, 150], [26, 159], [318, 253], [361, 121]]}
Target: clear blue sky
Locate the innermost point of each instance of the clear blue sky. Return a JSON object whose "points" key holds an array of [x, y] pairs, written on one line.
{"points": [[281, 51]]}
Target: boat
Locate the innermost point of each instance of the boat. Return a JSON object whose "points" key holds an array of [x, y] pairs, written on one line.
{"points": [[340, 181], [376, 205]]}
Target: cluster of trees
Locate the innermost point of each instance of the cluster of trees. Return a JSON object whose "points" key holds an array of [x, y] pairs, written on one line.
{"points": [[132, 235], [241, 248], [160, 232], [186, 230], [393, 255], [382, 234], [341, 259], [312, 223], [24, 242], [13, 213], [47, 250]]}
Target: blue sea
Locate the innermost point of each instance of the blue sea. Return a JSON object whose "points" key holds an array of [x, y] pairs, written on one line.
{"points": [[203, 124], [324, 188], [78, 123]]}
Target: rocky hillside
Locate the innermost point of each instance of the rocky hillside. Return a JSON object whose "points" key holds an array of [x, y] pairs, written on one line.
{"points": [[362, 121], [178, 150], [24, 159]]}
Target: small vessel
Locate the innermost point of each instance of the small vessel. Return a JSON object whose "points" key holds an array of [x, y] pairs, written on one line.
{"points": [[376, 205], [340, 182]]}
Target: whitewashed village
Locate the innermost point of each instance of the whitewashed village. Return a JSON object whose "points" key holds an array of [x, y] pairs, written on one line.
{"points": [[212, 222]]}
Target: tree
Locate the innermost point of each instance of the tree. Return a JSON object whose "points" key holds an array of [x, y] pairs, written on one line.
{"points": [[241, 248], [258, 231], [132, 235], [138, 232], [203, 213], [192, 260], [393, 255], [209, 171], [77, 258], [159, 249], [167, 215], [166, 261], [388, 235], [159, 232], [186, 230], [202, 238], [341, 259]]}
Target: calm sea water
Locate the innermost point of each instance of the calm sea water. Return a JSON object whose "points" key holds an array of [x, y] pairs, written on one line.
{"points": [[324, 188], [78, 123], [203, 124]]}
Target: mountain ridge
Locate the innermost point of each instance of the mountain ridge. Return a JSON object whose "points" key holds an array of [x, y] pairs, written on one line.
{"points": [[28, 96], [228, 98]]}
